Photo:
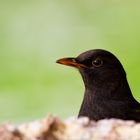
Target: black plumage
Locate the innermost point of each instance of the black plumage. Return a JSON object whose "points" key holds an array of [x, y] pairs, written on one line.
{"points": [[107, 92]]}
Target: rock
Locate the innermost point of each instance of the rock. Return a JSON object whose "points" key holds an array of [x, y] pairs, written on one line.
{"points": [[52, 128]]}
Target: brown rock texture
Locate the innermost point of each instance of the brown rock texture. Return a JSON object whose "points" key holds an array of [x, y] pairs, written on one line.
{"points": [[52, 128]]}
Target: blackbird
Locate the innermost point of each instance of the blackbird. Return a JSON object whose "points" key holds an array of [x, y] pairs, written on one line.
{"points": [[107, 92]]}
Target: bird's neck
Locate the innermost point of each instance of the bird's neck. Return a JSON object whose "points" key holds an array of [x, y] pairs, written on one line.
{"points": [[103, 96], [111, 87]]}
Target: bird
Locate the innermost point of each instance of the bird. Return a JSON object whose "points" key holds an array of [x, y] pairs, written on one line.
{"points": [[107, 92]]}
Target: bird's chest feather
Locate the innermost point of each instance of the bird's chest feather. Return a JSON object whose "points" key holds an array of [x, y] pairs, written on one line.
{"points": [[102, 108]]}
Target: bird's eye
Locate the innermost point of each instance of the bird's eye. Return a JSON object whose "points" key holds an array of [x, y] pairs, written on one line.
{"points": [[97, 62]]}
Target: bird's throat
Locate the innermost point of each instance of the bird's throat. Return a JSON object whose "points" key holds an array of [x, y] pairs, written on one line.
{"points": [[106, 101]]}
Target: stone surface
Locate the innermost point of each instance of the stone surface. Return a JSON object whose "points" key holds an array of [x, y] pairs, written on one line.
{"points": [[52, 128]]}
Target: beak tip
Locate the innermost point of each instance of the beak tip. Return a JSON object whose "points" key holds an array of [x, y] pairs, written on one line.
{"points": [[58, 61]]}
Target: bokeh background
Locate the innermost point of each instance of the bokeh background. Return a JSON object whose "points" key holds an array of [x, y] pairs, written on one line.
{"points": [[34, 34]]}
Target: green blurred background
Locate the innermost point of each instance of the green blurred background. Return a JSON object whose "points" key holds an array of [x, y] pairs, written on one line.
{"points": [[34, 34]]}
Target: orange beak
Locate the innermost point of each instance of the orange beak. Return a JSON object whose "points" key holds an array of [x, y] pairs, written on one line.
{"points": [[70, 62]]}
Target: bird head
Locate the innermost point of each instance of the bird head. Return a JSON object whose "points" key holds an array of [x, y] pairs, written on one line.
{"points": [[96, 66], [107, 92]]}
